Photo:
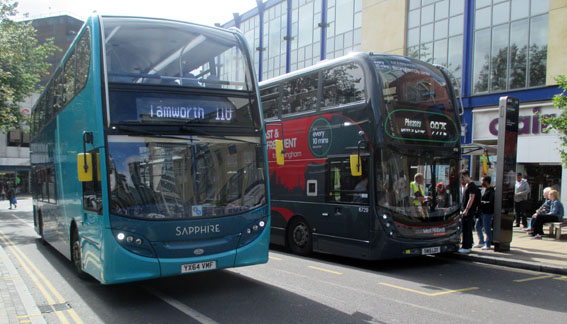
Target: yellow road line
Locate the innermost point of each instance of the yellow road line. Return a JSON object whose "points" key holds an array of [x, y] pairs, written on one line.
{"points": [[23, 260], [561, 278], [42, 289], [325, 270], [28, 316], [12, 278], [274, 258], [535, 278], [446, 292]]}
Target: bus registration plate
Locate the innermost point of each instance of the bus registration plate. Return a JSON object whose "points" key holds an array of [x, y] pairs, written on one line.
{"points": [[200, 266], [431, 250]]}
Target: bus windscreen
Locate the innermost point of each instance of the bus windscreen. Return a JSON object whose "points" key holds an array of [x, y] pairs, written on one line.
{"points": [[146, 51], [419, 107], [184, 178]]}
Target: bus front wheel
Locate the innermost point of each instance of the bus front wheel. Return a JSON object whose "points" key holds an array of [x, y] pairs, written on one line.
{"points": [[38, 218], [76, 257], [299, 237]]}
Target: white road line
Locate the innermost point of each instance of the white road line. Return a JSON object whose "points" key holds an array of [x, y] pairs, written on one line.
{"points": [[201, 318], [23, 221]]}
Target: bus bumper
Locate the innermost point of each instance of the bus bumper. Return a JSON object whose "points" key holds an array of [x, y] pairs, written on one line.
{"points": [[127, 266]]}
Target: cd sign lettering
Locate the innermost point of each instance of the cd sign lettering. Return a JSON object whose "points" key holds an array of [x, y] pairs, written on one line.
{"points": [[415, 125]]}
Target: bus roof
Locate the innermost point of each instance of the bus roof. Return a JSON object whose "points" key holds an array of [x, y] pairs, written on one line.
{"points": [[330, 62]]}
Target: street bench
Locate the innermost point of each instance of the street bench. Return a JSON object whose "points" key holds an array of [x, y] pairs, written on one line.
{"points": [[555, 228]]}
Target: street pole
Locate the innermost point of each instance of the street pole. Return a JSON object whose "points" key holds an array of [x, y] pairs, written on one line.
{"points": [[509, 108]]}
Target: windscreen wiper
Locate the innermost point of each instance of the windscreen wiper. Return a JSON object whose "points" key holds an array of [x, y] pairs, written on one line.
{"points": [[197, 131], [190, 130]]}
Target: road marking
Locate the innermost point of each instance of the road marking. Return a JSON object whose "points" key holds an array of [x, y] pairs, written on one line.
{"points": [[28, 316], [23, 221], [274, 258], [201, 318], [446, 292], [561, 278], [325, 270], [32, 271], [21, 288], [535, 278]]}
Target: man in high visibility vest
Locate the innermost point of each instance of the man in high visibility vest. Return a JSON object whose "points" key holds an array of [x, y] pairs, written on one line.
{"points": [[418, 190]]}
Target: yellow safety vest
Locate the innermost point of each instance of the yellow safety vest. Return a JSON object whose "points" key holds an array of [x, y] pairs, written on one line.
{"points": [[416, 188]]}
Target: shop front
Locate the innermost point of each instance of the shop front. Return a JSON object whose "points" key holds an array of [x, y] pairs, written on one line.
{"points": [[538, 157]]}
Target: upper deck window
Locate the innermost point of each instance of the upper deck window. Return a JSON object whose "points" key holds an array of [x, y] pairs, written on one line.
{"points": [[148, 51]]}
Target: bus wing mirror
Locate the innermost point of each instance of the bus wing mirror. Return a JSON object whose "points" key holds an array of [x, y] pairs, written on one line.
{"points": [[85, 167], [355, 165], [280, 158]]}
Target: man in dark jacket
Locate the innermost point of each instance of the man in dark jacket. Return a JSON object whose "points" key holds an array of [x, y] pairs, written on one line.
{"points": [[471, 201]]}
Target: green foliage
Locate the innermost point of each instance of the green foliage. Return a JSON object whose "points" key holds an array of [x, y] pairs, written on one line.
{"points": [[559, 123], [22, 63]]}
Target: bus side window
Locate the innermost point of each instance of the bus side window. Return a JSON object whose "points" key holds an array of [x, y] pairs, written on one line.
{"points": [[342, 186], [92, 190], [343, 85], [270, 97]]}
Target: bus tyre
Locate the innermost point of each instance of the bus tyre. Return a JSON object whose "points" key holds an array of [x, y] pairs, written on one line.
{"points": [[39, 220], [299, 237], [76, 254]]}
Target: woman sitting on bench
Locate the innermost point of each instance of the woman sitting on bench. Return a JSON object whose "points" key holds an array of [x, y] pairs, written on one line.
{"points": [[555, 215]]}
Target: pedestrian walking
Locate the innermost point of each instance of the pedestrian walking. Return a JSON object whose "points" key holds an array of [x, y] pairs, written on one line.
{"points": [[522, 190], [2, 191], [11, 195]]}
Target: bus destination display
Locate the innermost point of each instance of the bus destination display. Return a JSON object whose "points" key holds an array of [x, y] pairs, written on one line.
{"points": [[407, 124]]}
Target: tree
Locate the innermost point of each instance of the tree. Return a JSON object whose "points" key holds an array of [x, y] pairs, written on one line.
{"points": [[559, 123], [22, 63]]}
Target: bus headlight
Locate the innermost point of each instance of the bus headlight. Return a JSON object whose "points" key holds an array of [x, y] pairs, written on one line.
{"points": [[134, 243], [252, 231]]}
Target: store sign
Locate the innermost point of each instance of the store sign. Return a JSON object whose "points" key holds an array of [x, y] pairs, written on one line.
{"points": [[529, 123]]}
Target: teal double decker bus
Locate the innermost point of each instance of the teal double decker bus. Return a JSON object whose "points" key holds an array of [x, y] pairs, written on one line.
{"points": [[148, 152]]}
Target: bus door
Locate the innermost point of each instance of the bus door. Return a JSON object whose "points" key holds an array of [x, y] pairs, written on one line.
{"points": [[91, 218], [344, 226]]}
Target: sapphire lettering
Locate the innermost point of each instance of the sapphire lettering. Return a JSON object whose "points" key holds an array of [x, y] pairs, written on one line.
{"points": [[193, 230]]}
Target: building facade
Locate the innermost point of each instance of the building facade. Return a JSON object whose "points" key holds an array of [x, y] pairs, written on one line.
{"points": [[14, 146], [494, 48]]}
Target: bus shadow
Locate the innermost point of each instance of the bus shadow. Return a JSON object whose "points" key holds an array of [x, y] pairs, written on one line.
{"points": [[432, 274], [223, 296]]}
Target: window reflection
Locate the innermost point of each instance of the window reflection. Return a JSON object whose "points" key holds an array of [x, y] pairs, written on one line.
{"points": [[151, 178], [395, 173], [503, 48]]}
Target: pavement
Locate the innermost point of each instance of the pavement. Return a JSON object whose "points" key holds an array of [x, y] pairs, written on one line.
{"points": [[17, 305], [545, 255]]}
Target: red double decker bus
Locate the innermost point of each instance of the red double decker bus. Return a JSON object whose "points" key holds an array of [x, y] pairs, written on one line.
{"points": [[346, 138]]}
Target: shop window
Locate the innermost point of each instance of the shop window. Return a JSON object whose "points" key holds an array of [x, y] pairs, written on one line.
{"points": [[18, 138]]}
